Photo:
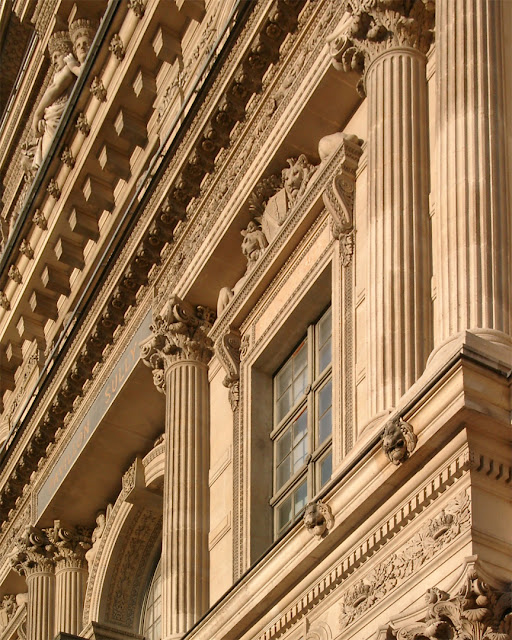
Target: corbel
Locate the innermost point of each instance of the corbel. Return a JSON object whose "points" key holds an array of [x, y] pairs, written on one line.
{"points": [[84, 224], [30, 329], [166, 44], [144, 86], [98, 194], [227, 350], [55, 280], [43, 305], [134, 485], [194, 9], [131, 127], [69, 253], [114, 161]]}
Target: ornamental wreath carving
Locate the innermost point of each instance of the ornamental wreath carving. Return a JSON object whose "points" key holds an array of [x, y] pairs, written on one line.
{"points": [[421, 548]]}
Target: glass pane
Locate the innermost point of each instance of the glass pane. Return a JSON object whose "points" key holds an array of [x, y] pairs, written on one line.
{"points": [[300, 358], [326, 469], [284, 405], [284, 513], [324, 327], [283, 472], [324, 412], [324, 356], [300, 498], [284, 379], [300, 452], [284, 445], [300, 427], [299, 384]]}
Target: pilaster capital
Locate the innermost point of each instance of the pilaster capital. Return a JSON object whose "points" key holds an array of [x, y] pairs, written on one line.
{"points": [[378, 26], [180, 332], [70, 545], [33, 553]]}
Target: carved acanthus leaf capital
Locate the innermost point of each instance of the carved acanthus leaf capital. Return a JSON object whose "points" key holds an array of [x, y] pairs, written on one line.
{"points": [[180, 332], [70, 545], [378, 26], [33, 553], [227, 349]]}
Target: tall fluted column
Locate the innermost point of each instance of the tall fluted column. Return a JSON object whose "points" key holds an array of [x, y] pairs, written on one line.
{"points": [[178, 353], [473, 242], [387, 43], [70, 576], [33, 558]]}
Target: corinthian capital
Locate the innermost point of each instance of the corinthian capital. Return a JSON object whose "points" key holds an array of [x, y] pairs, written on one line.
{"points": [[70, 545], [180, 332], [378, 26], [33, 553]]}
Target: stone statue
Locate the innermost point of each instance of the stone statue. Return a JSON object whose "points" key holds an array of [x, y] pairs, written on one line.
{"points": [[398, 440], [254, 244], [51, 107], [101, 522], [318, 519], [82, 34]]}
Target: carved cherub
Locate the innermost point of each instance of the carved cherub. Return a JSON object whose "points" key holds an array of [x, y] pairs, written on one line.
{"points": [[398, 440]]}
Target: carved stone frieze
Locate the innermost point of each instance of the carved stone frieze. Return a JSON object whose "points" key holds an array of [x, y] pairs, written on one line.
{"points": [[70, 545], [179, 333], [227, 349], [98, 89], [378, 26], [339, 194], [14, 274], [318, 519], [477, 612], [402, 564], [33, 553], [398, 440], [82, 124], [117, 47], [26, 249]]}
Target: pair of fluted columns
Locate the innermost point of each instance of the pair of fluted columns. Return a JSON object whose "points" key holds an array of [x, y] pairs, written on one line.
{"points": [[178, 353], [53, 563]]}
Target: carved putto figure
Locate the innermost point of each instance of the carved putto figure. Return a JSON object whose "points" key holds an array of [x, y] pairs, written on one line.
{"points": [[270, 205], [398, 440]]}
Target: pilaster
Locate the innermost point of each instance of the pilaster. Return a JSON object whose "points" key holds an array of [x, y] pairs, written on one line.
{"points": [[178, 353]]}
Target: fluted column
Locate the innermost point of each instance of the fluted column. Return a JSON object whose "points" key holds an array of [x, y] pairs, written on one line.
{"points": [[33, 558], [387, 43], [71, 545], [178, 353], [473, 243]]}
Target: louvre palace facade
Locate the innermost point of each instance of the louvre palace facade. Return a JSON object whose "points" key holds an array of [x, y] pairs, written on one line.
{"points": [[255, 320]]}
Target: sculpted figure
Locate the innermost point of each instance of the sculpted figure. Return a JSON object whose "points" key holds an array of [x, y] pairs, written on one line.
{"points": [[318, 519], [295, 180], [82, 34], [51, 107], [254, 244], [398, 441], [101, 522]]}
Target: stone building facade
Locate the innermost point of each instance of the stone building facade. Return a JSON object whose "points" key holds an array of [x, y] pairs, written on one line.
{"points": [[255, 320]]}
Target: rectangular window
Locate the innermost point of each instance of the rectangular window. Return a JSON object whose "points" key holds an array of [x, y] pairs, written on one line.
{"points": [[302, 433]]}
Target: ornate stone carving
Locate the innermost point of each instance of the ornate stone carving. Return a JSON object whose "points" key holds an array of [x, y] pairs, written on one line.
{"points": [[179, 333], [380, 25], [33, 553], [138, 7], [82, 32], [101, 522], [117, 47], [26, 249], [70, 545], [4, 302], [98, 89], [422, 547], [339, 194], [227, 349], [476, 612], [8, 608], [398, 440], [67, 157], [318, 519], [82, 125], [53, 189], [40, 220], [14, 274]]}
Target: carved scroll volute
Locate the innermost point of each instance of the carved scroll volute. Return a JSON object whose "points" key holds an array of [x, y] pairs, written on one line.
{"points": [[179, 332], [339, 195], [227, 349]]}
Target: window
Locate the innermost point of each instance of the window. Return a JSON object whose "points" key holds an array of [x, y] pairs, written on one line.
{"points": [[152, 618], [302, 432]]}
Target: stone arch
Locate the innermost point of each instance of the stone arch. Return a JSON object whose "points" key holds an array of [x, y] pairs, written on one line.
{"points": [[123, 566]]}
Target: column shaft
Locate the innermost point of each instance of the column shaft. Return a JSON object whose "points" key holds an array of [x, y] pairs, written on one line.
{"points": [[70, 584], [186, 509], [40, 605], [473, 242], [399, 303]]}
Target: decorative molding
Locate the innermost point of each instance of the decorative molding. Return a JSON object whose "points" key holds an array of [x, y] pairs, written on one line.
{"points": [[67, 157], [227, 350], [14, 274], [4, 301], [70, 545], [378, 27], [54, 189], [33, 553], [477, 612], [318, 519], [398, 440], [82, 124], [40, 220], [117, 47], [138, 7], [98, 89], [26, 249], [422, 547], [179, 333]]}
